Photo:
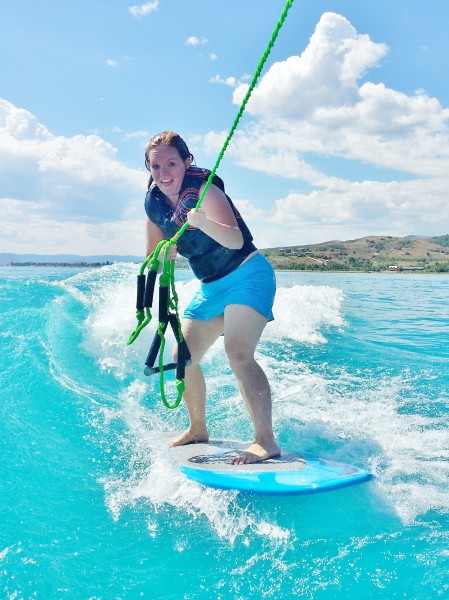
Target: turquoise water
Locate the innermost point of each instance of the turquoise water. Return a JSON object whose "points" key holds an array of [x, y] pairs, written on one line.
{"points": [[93, 508]]}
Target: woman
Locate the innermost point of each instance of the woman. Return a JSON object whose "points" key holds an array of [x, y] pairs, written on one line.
{"points": [[237, 285]]}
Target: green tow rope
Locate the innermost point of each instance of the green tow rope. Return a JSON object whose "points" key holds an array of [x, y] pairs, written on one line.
{"points": [[256, 76], [152, 261]]}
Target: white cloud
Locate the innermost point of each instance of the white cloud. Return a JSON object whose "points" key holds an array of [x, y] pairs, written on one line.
{"points": [[321, 105], [325, 74], [353, 210], [28, 228], [230, 81], [132, 135], [60, 190], [196, 41], [111, 62], [138, 134], [252, 212], [142, 10]]}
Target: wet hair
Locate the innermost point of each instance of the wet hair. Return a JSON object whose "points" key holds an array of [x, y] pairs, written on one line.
{"points": [[167, 138]]}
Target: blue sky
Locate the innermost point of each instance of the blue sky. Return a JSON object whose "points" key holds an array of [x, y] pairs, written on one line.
{"points": [[346, 135]]}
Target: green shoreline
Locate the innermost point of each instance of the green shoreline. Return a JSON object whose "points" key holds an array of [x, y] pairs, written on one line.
{"points": [[182, 267], [371, 254]]}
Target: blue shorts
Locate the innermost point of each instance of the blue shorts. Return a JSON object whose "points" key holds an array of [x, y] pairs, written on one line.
{"points": [[252, 284]]}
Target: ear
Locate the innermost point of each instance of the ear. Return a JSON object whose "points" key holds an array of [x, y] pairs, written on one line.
{"points": [[188, 162]]}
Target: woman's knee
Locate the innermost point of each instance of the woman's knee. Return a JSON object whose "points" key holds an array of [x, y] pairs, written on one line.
{"points": [[239, 354]]}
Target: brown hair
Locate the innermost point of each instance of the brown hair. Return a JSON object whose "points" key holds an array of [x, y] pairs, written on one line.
{"points": [[167, 138]]}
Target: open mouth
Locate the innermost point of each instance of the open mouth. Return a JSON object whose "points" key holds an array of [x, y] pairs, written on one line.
{"points": [[166, 181]]}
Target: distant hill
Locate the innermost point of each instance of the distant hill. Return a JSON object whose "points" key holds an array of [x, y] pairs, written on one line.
{"points": [[371, 253]]}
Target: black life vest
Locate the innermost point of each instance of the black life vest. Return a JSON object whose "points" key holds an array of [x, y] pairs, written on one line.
{"points": [[208, 259]]}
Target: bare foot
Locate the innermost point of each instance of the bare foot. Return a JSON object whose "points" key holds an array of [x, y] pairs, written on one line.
{"points": [[189, 437], [257, 453]]}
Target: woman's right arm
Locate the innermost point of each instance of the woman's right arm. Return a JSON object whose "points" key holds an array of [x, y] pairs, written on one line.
{"points": [[154, 235]]}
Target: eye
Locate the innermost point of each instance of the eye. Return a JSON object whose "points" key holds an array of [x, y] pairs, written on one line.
{"points": [[154, 166], [172, 164]]}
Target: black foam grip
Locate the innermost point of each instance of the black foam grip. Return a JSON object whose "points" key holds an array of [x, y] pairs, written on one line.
{"points": [[154, 349], [163, 304], [181, 366], [140, 292], [149, 289]]}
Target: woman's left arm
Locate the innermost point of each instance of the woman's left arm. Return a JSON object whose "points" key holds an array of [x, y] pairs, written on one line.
{"points": [[216, 219]]}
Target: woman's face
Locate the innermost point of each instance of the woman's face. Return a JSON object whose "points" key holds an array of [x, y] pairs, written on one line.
{"points": [[168, 169]]}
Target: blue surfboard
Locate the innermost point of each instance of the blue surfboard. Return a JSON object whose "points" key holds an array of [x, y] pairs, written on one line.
{"points": [[291, 473]]}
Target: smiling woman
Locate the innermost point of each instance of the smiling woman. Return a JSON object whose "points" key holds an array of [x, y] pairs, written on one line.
{"points": [[237, 284], [171, 149]]}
